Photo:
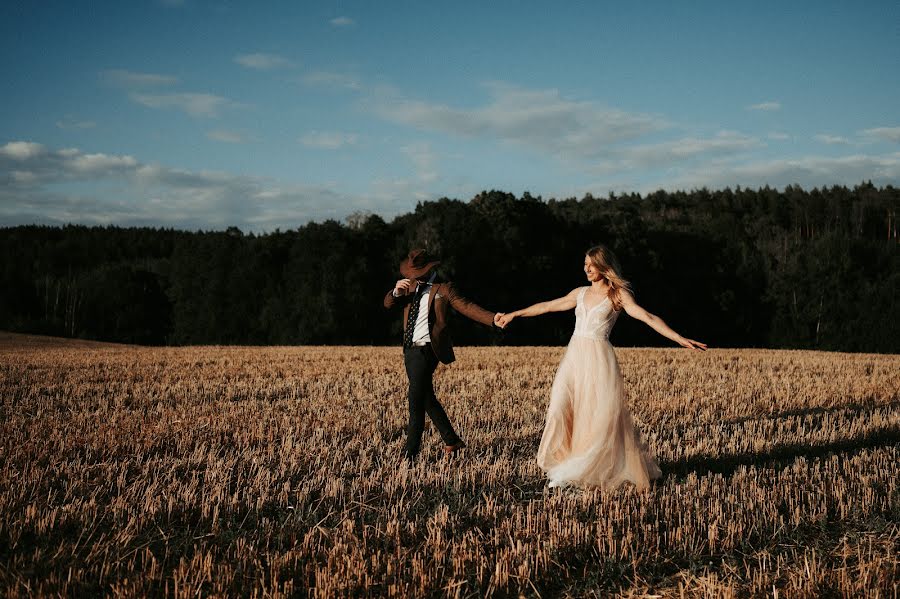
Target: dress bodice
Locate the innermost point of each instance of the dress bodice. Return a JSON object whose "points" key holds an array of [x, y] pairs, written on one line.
{"points": [[596, 322]]}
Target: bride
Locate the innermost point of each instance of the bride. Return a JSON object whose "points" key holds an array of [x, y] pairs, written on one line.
{"points": [[589, 439]]}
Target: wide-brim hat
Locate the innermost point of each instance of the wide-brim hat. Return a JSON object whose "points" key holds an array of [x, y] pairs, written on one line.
{"points": [[418, 264]]}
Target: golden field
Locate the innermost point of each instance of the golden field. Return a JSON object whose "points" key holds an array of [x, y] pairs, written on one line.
{"points": [[232, 471]]}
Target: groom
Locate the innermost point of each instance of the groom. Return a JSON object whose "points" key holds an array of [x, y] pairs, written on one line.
{"points": [[426, 301]]}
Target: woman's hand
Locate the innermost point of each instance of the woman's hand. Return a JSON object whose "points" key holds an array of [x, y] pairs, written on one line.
{"points": [[691, 344], [504, 319]]}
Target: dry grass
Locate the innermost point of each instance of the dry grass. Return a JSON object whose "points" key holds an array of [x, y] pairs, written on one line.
{"points": [[274, 471]]}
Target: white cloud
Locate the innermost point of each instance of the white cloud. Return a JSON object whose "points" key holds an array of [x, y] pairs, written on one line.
{"points": [[542, 120], [37, 184], [778, 135], [831, 139], [194, 104], [327, 79], [765, 106], [21, 150], [225, 136], [94, 164], [132, 79], [29, 163], [263, 62], [126, 191], [883, 133], [342, 22], [328, 140]]}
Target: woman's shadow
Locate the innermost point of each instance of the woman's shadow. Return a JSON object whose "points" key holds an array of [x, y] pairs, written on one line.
{"points": [[780, 456]]}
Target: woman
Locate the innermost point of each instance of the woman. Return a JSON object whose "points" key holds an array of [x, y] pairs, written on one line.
{"points": [[589, 439]]}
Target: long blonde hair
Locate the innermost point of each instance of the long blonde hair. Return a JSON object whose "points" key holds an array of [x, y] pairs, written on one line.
{"points": [[605, 261]]}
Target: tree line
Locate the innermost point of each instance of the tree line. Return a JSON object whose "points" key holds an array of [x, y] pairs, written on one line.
{"points": [[734, 268]]}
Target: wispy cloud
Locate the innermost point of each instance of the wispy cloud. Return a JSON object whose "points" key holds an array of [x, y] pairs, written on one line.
{"points": [[139, 87], [342, 22], [226, 136], [765, 106], [70, 123], [263, 62], [424, 160], [832, 140], [891, 134], [194, 104], [809, 172], [672, 152], [392, 191], [778, 136], [595, 138], [326, 79], [131, 79], [33, 175], [542, 120], [328, 140]]}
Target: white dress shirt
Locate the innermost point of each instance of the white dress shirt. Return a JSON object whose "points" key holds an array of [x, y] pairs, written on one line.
{"points": [[420, 332]]}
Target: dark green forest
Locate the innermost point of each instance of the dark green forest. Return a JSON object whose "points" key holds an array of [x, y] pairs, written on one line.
{"points": [[814, 269]]}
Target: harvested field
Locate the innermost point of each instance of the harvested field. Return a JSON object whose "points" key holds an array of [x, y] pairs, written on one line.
{"points": [[246, 471]]}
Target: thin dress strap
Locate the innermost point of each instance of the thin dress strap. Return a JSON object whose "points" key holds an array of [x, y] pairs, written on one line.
{"points": [[581, 296]]}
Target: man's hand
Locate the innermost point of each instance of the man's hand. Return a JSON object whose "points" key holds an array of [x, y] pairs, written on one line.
{"points": [[503, 319], [403, 287], [498, 320]]}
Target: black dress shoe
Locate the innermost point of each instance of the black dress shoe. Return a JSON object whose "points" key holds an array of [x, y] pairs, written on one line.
{"points": [[453, 449]]}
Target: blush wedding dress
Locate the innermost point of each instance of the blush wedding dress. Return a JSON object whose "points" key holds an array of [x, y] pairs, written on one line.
{"points": [[589, 438]]}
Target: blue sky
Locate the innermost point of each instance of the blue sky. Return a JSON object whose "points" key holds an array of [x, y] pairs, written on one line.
{"points": [[205, 114]]}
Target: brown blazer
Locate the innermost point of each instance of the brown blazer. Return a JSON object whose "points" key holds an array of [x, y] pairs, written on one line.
{"points": [[443, 296]]}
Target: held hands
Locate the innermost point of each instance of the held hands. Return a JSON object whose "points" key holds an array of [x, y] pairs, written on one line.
{"points": [[501, 319], [691, 344]]}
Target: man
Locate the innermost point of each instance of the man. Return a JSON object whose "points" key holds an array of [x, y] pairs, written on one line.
{"points": [[426, 341]]}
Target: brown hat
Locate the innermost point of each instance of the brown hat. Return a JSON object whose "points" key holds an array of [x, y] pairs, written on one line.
{"points": [[417, 264]]}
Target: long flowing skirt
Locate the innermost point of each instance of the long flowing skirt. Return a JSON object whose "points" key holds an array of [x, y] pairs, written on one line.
{"points": [[589, 438]]}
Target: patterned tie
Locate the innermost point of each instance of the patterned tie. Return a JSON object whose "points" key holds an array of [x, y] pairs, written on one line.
{"points": [[413, 316]]}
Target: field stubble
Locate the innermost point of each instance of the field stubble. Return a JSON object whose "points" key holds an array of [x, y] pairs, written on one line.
{"points": [[275, 471]]}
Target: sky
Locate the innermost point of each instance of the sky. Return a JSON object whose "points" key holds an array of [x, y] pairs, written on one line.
{"points": [[205, 114]]}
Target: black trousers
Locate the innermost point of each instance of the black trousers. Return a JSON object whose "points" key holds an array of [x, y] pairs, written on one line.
{"points": [[420, 366]]}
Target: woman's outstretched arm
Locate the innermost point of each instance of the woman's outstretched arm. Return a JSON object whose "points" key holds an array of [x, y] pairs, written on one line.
{"points": [[561, 304], [655, 322]]}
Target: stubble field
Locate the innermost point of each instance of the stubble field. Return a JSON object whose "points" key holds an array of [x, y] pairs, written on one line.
{"points": [[231, 471]]}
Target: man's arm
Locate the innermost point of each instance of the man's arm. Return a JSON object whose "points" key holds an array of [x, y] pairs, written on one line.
{"points": [[400, 295], [468, 308], [390, 300]]}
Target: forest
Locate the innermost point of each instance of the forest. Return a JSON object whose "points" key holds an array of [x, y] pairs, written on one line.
{"points": [[768, 268]]}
